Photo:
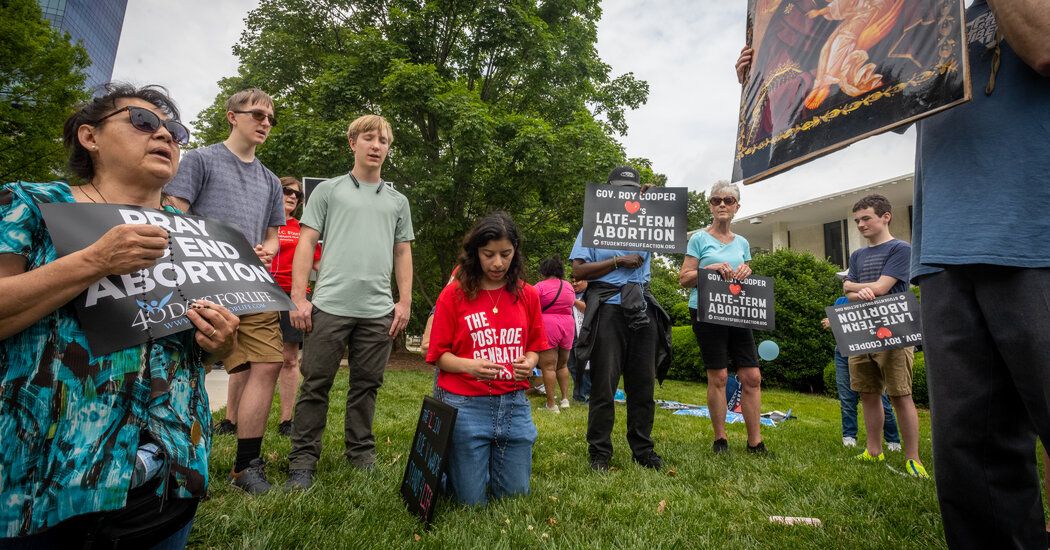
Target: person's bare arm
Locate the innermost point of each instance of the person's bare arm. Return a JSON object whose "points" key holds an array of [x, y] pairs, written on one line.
{"points": [[688, 274], [880, 287], [180, 203], [586, 271], [403, 275], [1026, 26], [28, 296], [301, 262]]}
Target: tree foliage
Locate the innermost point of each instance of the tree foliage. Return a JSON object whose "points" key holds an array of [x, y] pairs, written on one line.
{"points": [[494, 104], [41, 79]]}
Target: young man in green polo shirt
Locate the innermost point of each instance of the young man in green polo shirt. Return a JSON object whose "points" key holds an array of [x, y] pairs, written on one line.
{"points": [[367, 231]]}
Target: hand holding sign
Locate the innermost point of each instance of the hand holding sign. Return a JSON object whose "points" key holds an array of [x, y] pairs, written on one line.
{"points": [[127, 248], [216, 327]]}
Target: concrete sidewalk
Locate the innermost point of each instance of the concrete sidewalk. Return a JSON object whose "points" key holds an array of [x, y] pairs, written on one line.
{"points": [[215, 382]]}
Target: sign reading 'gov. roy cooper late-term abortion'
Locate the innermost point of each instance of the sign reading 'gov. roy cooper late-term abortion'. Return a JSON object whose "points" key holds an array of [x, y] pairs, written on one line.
{"points": [[621, 218], [885, 323], [744, 304], [205, 259]]}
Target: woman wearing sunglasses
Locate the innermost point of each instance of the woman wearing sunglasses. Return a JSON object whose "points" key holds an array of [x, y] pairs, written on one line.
{"points": [[288, 239], [74, 424], [716, 248]]}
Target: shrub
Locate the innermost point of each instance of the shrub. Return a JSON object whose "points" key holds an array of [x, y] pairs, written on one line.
{"points": [[804, 286], [686, 363], [830, 385], [679, 313]]}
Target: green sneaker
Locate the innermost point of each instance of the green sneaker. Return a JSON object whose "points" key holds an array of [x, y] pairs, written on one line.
{"points": [[916, 469], [867, 457]]}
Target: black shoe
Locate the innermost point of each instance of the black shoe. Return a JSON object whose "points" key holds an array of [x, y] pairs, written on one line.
{"points": [[650, 460], [251, 480], [759, 449], [225, 428], [720, 446], [285, 428], [600, 464], [299, 480]]}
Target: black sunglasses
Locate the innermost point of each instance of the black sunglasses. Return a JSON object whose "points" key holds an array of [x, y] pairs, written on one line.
{"points": [[259, 116], [728, 201], [288, 191], [147, 121]]}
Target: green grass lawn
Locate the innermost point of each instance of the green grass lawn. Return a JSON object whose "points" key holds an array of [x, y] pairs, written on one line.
{"points": [[699, 501]]}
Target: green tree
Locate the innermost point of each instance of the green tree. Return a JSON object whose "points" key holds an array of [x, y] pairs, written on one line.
{"points": [[41, 78], [495, 105]]}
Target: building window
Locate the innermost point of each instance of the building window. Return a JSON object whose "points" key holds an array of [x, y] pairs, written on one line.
{"points": [[835, 243]]}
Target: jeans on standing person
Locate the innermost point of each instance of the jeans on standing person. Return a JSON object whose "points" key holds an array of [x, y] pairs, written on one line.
{"points": [[581, 378], [491, 448], [848, 399]]}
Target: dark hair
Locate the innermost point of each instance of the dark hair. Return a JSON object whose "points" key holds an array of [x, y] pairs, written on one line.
{"points": [[553, 267], [878, 203], [289, 181], [80, 163], [495, 226]]}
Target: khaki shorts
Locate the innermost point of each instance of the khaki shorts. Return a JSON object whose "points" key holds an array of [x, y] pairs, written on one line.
{"points": [[258, 341], [885, 371]]}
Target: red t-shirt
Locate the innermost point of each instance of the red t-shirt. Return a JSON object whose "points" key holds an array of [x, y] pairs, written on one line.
{"points": [[288, 237], [469, 329]]}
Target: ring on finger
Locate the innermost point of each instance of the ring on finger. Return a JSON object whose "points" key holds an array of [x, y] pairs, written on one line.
{"points": [[212, 333]]}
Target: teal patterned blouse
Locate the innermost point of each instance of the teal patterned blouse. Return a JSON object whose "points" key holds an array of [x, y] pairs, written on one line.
{"points": [[70, 420]]}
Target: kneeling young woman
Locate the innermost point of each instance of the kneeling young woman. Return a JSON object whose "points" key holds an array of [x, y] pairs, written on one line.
{"points": [[486, 336]]}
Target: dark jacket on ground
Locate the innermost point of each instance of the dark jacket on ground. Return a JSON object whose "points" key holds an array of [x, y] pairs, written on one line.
{"points": [[635, 299]]}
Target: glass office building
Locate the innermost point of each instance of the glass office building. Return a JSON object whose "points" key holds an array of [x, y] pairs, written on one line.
{"points": [[94, 23]]}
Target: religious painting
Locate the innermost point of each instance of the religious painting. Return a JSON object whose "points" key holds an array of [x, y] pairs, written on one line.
{"points": [[828, 73]]}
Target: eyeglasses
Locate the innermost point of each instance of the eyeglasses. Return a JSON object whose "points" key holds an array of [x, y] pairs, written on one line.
{"points": [[728, 201], [288, 192], [259, 116], [147, 121]]}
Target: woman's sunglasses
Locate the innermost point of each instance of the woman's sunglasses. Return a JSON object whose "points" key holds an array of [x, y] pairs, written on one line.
{"points": [[288, 192], [259, 116], [147, 121], [715, 201]]}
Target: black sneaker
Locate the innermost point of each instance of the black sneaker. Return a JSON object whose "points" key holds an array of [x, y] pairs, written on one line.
{"points": [[251, 480], [759, 449], [225, 428], [650, 460], [600, 464], [299, 480], [285, 428], [720, 446]]}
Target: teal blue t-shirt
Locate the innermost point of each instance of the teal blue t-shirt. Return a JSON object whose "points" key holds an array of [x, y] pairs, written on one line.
{"points": [[709, 250]]}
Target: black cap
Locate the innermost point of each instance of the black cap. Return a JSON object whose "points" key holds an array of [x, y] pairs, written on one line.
{"points": [[625, 175]]}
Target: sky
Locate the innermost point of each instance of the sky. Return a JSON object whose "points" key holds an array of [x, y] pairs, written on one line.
{"points": [[684, 49]]}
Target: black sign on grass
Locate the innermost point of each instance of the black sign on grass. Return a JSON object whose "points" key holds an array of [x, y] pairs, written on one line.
{"points": [[428, 458]]}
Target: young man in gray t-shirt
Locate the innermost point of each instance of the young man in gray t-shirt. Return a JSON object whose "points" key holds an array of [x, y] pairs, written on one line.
{"points": [[367, 230], [227, 182]]}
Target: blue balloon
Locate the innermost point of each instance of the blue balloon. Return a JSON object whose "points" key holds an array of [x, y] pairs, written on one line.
{"points": [[768, 350]]}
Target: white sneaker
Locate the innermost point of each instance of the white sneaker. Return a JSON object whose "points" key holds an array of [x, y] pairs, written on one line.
{"points": [[552, 410], [849, 441], [564, 404], [893, 447]]}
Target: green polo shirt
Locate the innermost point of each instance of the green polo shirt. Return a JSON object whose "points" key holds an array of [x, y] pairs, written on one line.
{"points": [[360, 227]]}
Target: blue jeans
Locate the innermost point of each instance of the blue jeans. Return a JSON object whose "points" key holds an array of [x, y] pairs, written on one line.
{"points": [[491, 450], [849, 398]]}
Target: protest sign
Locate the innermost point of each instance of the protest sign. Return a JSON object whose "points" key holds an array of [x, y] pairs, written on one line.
{"points": [[744, 304], [826, 74], [885, 323], [619, 217], [424, 477], [205, 259]]}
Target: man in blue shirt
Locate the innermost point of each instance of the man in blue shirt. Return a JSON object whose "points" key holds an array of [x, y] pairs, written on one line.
{"points": [[882, 268], [982, 259], [624, 332]]}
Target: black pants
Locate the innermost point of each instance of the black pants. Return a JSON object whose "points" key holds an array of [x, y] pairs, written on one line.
{"points": [[631, 353], [986, 332]]}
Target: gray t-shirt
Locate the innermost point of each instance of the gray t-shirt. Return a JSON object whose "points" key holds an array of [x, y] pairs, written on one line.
{"points": [[219, 185], [360, 227]]}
